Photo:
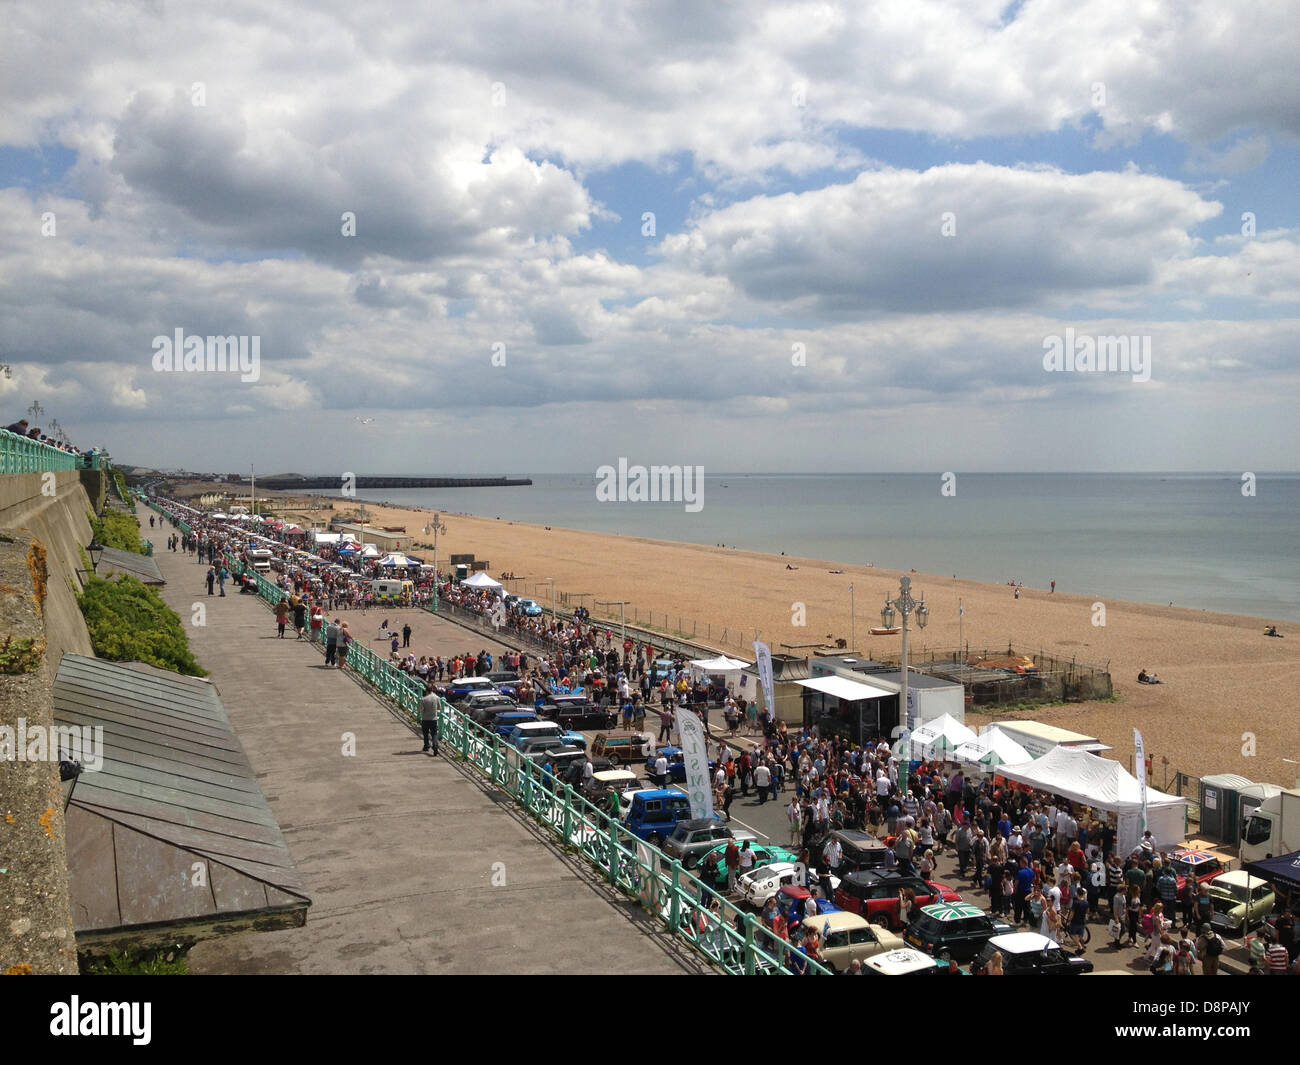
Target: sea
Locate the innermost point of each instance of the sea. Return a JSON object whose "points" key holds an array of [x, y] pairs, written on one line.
{"points": [[1203, 541]]}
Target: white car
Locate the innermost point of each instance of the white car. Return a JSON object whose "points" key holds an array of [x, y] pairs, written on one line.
{"points": [[767, 881]]}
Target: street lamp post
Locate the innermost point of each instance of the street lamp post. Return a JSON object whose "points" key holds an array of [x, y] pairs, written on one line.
{"points": [[853, 618], [622, 613], [551, 581], [436, 526], [905, 605]]}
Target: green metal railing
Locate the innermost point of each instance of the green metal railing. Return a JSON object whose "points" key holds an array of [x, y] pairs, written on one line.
{"points": [[731, 938], [18, 454]]}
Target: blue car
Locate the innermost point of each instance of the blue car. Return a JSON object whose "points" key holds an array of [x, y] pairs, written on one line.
{"points": [[676, 764], [529, 608], [505, 723]]}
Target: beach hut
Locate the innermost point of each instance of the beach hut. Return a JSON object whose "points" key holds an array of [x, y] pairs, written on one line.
{"points": [[940, 737], [991, 749]]}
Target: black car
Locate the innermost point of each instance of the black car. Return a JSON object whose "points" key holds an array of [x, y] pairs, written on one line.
{"points": [[1029, 954], [957, 927], [860, 850], [576, 712]]}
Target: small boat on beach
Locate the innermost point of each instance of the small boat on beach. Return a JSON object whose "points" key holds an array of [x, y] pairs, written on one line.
{"points": [[892, 631]]}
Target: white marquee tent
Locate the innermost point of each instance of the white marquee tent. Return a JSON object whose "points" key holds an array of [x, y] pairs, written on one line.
{"points": [[938, 737], [728, 669], [482, 580], [1105, 785], [991, 748]]}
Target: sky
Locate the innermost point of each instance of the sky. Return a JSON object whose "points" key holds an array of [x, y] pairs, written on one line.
{"points": [[521, 238]]}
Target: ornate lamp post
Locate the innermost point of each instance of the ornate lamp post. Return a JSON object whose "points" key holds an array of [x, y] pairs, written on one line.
{"points": [[436, 526], [905, 605]]}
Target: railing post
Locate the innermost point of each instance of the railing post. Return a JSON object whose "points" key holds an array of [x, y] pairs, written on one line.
{"points": [[567, 822], [614, 857], [750, 966], [675, 899]]}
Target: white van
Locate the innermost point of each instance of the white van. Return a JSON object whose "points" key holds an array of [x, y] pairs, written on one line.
{"points": [[259, 558]]}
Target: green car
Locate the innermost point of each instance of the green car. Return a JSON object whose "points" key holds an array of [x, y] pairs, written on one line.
{"points": [[762, 852], [957, 927], [1240, 900]]}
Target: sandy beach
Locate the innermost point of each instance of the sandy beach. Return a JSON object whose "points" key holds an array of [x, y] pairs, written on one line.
{"points": [[1222, 678]]}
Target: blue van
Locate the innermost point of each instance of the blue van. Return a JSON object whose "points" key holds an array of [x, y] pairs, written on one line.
{"points": [[654, 814]]}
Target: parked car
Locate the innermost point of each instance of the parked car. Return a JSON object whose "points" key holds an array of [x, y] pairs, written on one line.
{"points": [[551, 749], [1200, 865], [676, 763], [766, 881], [861, 850], [1241, 901], [528, 608], [655, 812], [575, 712], [792, 901], [1029, 954], [690, 840], [505, 722], [873, 893], [764, 853], [619, 780], [957, 927], [620, 747], [847, 938], [458, 689], [538, 729], [477, 703], [505, 680], [487, 716], [903, 962]]}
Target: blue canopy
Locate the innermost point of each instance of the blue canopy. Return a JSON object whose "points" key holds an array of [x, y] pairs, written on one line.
{"points": [[1283, 870]]}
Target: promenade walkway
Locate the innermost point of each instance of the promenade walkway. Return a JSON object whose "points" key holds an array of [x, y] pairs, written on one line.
{"points": [[400, 851]]}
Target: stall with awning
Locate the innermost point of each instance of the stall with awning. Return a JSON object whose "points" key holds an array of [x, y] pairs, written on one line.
{"points": [[940, 737], [990, 749]]}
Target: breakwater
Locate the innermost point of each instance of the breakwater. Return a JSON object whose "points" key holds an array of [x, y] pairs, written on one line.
{"points": [[292, 484]]}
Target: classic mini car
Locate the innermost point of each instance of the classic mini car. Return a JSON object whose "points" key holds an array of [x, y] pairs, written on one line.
{"points": [[957, 927], [903, 962], [764, 854], [691, 840], [1029, 954], [575, 712], [765, 882], [847, 938], [860, 850], [1240, 900], [874, 894], [655, 812], [792, 901], [621, 746], [1200, 865]]}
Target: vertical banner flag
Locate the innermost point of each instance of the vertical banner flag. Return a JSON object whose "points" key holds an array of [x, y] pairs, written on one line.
{"points": [[1141, 774], [699, 785], [763, 656]]}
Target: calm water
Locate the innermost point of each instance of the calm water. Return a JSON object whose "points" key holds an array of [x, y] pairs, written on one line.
{"points": [[1189, 539]]}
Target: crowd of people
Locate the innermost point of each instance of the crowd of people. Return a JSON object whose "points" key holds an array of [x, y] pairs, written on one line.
{"points": [[33, 432]]}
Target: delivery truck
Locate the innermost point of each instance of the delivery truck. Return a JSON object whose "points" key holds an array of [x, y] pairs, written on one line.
{"points": [[1272, 829]]}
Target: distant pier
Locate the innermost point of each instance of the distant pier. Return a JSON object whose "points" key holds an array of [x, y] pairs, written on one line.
{"points": [[291, 484]]}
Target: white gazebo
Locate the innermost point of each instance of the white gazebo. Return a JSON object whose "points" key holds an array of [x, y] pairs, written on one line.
{"points": [[483, 581], [990, 749], [726, 669], [940, 737]]}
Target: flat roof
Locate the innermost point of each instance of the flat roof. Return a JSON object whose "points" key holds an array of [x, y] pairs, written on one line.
{"points": [[143, 567], [175, 793], [843, 688], [1045, 732], [915, 679]]}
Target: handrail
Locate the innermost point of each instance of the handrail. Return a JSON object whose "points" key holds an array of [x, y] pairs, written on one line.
{"points": [[20, 454], [636, 868]]}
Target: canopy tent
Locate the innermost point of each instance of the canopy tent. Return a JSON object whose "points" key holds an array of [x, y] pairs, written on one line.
{"points": [[1105, 785], [482, 580], [990, 749], [396, 558], [370, 551], [722, 670], [325, 538], [939, 737], [1284, 870]]}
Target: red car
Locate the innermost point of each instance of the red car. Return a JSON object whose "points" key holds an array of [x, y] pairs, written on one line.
{"points": [[873, 894], [1201, 865]]}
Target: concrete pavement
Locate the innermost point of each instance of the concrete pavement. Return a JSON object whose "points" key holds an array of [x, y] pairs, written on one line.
{"points": [[415, 865]]}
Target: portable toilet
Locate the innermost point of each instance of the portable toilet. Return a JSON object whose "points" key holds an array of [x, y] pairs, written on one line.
{"points": [[462, 571], [1221, 806]]}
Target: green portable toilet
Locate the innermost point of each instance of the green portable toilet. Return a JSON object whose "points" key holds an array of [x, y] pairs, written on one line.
{"points": [[1220, 806]]}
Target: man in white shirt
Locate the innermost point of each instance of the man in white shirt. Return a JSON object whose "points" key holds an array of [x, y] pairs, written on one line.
{"points": [[762, 781], [882, 784], [661, 771], [833, 854]]}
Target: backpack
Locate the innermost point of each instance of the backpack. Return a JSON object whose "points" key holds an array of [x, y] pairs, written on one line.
{"points": [[1214, 946]]}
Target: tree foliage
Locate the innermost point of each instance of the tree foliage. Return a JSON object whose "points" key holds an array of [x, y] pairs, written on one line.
{"points": [[119, 530]]}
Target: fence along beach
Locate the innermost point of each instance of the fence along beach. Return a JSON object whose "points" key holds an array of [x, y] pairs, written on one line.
{"points": [[1226, 687]]}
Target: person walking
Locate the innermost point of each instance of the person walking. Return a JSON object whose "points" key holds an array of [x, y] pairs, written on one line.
{"points": [[406, 634], [332, 642], [223, 575], [317, 621], [211, 579], [345, 641], [281, 615], [762, 781], [300, 618], [429, 706], [1209, 946]]}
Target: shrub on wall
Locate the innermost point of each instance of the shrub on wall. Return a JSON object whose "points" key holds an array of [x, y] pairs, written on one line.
{"points": [[119, 530], [129, 622]]}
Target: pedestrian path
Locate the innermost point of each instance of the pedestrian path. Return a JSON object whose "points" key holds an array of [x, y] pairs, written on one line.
{"points": [[413, 864]]}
